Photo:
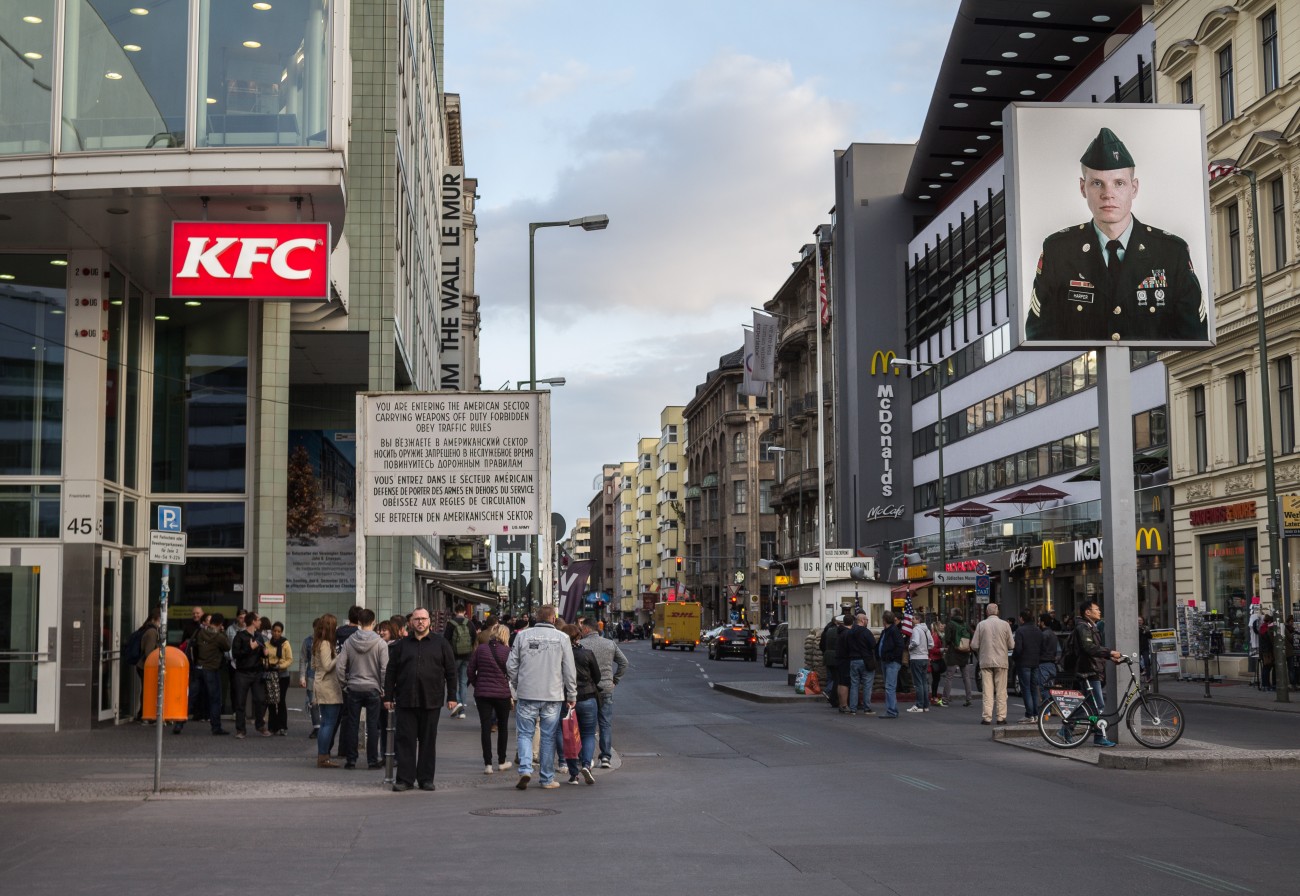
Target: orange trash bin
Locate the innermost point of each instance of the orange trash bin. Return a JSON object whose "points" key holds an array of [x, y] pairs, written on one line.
{"points": [[176, 696]]}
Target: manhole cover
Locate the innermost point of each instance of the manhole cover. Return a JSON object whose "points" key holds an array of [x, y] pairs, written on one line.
{"points": [[514, 813]]}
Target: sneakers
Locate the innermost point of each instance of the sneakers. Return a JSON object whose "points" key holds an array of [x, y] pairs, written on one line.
{"points": [[604, 762], [522, 783], [487, 769], [937, 702], [587, 776], [1104, 743], [967, 703], [573, 779], [314, 732], [502, 766], [868, 711], [552, 785], [1028, 720], [915, 709]]}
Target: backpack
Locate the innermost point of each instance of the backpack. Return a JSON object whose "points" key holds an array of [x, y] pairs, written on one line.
{"points": [[1070, 653], [462, 639], [133, 652]]}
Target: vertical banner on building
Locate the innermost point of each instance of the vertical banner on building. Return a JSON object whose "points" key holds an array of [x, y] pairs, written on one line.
{"points": [[1108, 225], [765, 333], [451, 242], [572, 580], [749, 385]]}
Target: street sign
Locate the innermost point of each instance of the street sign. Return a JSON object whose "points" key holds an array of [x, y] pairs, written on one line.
{"points": [[954, 578], [169, 518], [167, 547], [981, 568], [982, 586], [836, 567]]}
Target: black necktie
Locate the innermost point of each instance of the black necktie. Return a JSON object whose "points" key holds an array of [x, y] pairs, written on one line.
{"points": [[1112, 256]]}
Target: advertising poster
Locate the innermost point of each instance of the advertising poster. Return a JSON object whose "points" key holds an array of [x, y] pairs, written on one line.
{"points": [[321, 520], [1108, 226]]}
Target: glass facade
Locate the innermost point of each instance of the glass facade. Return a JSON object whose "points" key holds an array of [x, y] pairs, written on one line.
{"points": [[200, 413], [33, 302], [261, 75]]}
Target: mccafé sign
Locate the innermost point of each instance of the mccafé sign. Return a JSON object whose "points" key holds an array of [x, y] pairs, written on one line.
{"points": [[250, 260]]}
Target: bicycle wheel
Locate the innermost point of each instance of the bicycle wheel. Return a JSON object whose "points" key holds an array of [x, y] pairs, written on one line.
{"points": [[1057, 731], [1155, 721]]}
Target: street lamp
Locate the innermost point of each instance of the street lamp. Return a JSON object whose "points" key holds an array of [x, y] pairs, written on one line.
{"points": [[943, 489], [590, 222], [1270, 477], [552, 381]]}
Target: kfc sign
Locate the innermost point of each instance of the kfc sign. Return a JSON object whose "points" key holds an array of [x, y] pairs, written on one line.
{"points": [[224, 260]]}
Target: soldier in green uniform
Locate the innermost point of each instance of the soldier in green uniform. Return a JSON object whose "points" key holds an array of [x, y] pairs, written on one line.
{"points": [[1114, 278]]}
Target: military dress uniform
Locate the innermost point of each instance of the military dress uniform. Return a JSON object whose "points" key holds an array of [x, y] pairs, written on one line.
{"points": [[1154, 295]]}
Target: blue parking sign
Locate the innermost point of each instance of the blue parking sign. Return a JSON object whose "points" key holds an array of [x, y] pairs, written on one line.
{"points": [[169, 518]]}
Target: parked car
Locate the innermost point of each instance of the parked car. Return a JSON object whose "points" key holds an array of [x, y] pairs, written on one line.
{"points": [[735, 640], [777, 650]]}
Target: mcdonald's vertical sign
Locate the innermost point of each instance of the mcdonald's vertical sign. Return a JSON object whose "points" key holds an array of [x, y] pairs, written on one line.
{"points": [[1049, 555]]}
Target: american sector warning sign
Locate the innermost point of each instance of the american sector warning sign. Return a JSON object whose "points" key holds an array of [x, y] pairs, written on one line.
{"points": [[452, 463]]}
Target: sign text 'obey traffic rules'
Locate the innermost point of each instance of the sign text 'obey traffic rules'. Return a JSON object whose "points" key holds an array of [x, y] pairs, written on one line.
{"points": [[450, 463]]}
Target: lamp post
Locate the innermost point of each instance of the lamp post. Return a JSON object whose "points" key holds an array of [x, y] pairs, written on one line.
{"points": [[764, 563], [552, 381], [591, 222], [943, 486], [1270, 478]]}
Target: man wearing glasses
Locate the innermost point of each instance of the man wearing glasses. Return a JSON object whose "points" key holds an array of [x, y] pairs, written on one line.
{"points": [[421, 676]]}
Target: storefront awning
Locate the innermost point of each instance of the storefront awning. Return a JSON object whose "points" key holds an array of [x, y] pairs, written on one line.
{"points": [[901, 590], [456, 582]]}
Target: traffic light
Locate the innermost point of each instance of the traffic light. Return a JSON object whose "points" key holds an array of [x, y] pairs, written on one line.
{"points": [[679, 564]]}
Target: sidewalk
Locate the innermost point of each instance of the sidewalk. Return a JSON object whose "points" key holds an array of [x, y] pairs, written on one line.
{"points": [[118, 764]]}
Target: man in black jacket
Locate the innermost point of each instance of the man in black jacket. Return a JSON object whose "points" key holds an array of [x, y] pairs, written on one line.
{"points": [[860, 644], [1091, 659], [421, 676], [1028, 641], [891, 649], [246, 652]]}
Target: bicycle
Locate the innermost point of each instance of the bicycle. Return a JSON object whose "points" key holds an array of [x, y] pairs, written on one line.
{"points": [[1070, 715]]}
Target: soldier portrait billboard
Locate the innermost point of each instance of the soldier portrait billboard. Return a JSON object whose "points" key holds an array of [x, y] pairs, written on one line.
{"points": [[1108, 226]]}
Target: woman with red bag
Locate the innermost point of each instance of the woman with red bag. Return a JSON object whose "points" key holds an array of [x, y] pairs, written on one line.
{"points": [[584, 712]]}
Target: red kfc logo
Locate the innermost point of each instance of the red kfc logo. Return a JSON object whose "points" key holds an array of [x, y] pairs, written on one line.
{"points": [[224, 260]]}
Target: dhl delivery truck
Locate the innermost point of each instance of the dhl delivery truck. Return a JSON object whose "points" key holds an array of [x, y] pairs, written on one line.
{"points": [[677, 624]]}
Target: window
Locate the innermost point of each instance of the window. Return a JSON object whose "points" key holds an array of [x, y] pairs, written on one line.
{"points": [[1285, 406], [765, 496], [1199, 432], [1185, 91], [1227, 109], [670, 433], [767, 545], [738, 543], [739, 448], [1234, 244], [1278, 194], [1239, 417], [739, 496], [1268, 50]]}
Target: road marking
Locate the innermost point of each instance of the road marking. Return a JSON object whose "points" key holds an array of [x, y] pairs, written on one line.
{"points": [[916, 782], [1195, 877], [794, 740]]}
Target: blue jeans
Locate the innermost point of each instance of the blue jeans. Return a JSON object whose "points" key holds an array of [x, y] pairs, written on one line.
{"points": [[605, 719], [861, 681], [587, 710], [354, 702], [891, 689], [329, 720], [527, 714], [1046, 678], [921, 682], [462, 681], [1028, 692], [211, 681], [1099, 699]]}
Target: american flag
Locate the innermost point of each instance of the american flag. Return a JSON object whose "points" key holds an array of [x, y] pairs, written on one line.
{"points": [[822, 301], [908, 616]]}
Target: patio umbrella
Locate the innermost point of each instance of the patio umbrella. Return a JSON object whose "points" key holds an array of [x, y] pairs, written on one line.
{"points": [[1041, 494], [1016, 498], [968, 511]]}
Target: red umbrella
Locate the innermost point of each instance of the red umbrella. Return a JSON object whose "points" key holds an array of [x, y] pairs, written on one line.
{"points": [[970, 510], [1041, 494]]}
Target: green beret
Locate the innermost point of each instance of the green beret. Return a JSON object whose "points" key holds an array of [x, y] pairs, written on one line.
{"points": [[1106, 153]]}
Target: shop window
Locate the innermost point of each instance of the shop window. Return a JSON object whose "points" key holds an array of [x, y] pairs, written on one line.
{"points": [[1228, 564], [33, 302]]}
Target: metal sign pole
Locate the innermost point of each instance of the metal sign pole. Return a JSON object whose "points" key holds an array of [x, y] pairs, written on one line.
{"points": [[162, 677]]}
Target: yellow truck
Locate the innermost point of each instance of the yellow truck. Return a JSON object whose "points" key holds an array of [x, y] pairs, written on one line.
{"points": [[677, 624]]}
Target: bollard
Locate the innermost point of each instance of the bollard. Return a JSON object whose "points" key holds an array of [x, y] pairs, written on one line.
{"points": [[390, 748]]}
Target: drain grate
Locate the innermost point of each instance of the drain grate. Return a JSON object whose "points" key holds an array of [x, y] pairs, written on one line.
{"points": [[514, 812]]}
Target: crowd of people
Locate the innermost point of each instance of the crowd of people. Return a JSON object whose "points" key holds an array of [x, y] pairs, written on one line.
{"points": [[947, 650], [372, 672]]}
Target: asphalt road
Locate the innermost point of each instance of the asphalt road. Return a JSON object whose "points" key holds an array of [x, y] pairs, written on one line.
{"points": [[712, 794]]}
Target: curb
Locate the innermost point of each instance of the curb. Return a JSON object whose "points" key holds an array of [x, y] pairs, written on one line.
{"points": [[744, 692]]}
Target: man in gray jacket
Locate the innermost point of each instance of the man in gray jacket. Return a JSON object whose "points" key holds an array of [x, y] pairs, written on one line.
{"points": [[613, 664], [543, 677], [361, 667]]}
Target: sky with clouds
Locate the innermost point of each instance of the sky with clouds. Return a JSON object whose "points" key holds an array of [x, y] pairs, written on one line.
{"points": [[706, 131]]}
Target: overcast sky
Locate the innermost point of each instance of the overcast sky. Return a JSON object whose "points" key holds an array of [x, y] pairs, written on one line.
{"points": [[706, 131]]}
